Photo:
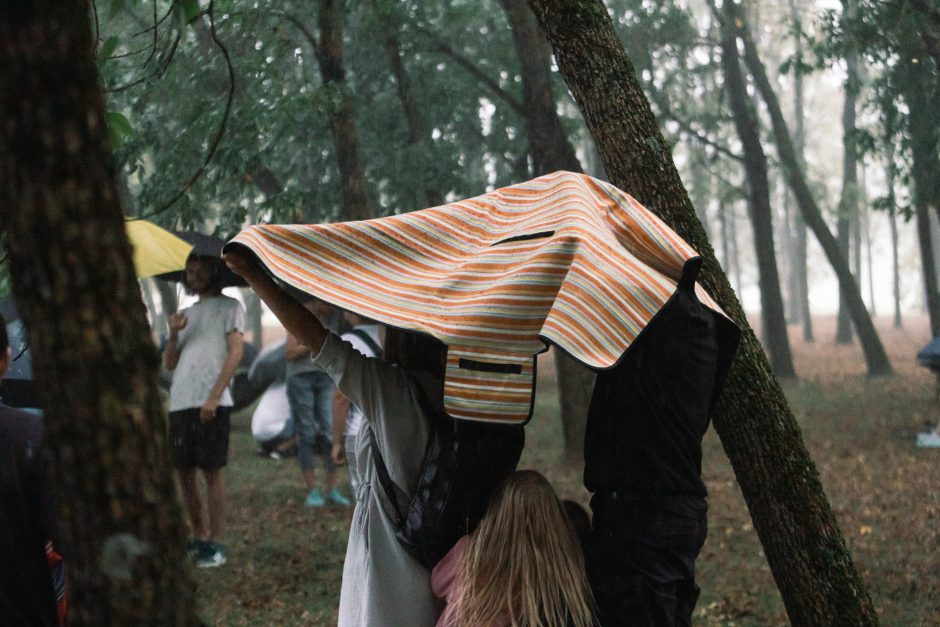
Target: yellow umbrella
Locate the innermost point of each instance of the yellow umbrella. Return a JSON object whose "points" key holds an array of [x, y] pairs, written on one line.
{"points": [[156, 250]]}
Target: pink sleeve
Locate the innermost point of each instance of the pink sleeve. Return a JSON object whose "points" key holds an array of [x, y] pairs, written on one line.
{"points": [[445, 572]]}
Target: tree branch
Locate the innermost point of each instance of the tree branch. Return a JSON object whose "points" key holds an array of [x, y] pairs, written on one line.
{"points": [[210, 12], [439, 45]]}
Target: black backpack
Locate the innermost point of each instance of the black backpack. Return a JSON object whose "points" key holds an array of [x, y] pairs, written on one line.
{"points": [[464, 464]]}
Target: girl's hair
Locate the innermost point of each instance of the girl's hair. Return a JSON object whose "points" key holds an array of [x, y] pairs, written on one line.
{"points": [[524, 562]]}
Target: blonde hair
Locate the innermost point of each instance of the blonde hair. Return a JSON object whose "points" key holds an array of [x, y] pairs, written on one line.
{"points": [[523, 562]]}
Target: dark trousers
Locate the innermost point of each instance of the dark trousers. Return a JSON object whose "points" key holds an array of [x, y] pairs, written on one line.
{"points": [[641, 563]]}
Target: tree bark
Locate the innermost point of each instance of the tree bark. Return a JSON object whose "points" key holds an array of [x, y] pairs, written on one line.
{"points": [[551, 151], [875, 356], [329, 53], [74, 284], [755, 166], [801, 539]]}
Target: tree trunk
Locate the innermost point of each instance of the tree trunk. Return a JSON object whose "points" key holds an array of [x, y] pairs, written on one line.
{"points": [[799, 141], [551, 151], [875, 356], [893, 222], [926, 164], [848, 201], [418, 134], [755, 166], [329, 53], [74, 284], [801, 539]]}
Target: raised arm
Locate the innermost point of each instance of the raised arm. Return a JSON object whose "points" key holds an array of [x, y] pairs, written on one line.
{"points": [[298, 321]]}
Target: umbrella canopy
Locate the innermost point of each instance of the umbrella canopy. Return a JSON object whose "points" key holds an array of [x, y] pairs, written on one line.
{"points": [[204, 246], [564, 259], [156, 250]]}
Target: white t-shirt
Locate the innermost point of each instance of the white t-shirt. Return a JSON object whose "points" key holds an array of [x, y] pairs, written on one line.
{"points": [[272, 412], [203, 345], [354, 417]]}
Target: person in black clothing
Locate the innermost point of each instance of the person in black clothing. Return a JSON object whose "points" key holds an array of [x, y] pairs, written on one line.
{"points": [[27, 596], [643, 457]]}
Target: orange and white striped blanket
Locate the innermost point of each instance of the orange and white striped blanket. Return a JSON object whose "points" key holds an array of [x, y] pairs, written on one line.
{"points": [[563, 259]]}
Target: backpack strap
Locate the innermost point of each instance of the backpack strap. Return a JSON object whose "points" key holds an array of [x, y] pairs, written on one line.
{"points": [[380, 468], [384, 477], [368, 341]]}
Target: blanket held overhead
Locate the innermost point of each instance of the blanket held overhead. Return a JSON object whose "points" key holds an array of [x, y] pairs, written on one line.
{"points": [[563, 259]]}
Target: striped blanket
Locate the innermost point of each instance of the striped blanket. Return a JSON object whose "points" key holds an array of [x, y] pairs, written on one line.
{"points": [[564, 259]]}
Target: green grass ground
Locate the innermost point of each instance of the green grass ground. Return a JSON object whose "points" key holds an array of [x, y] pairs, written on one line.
{"points": [[285, 560]]}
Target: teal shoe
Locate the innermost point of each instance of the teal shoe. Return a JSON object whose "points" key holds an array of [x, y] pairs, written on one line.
{"points": [[336, 498], [314, 499]]}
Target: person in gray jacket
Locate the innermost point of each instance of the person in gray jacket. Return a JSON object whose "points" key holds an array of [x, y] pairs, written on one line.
{"points": [[383, 585]]}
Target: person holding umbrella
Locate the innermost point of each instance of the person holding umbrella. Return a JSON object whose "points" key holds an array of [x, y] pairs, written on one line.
{"points": [[203, 352]]}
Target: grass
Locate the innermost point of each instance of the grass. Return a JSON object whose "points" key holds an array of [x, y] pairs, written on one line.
{"points": [[285, 560]]}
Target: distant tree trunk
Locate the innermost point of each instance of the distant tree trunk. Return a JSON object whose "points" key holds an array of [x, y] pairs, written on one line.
{"points": [[848, 201], [74, 284], [253, 322], [799, 141], [865, 218], [735, 255], [875, 356], [551, 151], [755, 166], [890, 171], [801, 539], [926, 165], [419, 136], [329, 53]]}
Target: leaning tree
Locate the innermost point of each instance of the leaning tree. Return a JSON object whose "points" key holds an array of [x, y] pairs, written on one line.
{"points": [[74, 285], [801, 538]]}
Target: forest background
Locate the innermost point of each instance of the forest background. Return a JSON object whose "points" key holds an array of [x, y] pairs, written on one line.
{"points": [[223, 114]]}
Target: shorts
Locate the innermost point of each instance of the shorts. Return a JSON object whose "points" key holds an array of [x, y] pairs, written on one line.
{"points": [[194, 444]]}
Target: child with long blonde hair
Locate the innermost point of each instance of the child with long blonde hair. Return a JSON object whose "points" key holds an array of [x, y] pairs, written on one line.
{"points": [[522, 566]]}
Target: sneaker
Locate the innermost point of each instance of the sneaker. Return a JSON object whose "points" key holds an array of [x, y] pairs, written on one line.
{"points": [[194, 548], [212, 556], [314, 499], [931, 440], [336, 498]]}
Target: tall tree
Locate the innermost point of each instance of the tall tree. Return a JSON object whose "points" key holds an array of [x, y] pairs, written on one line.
{"points": [[799, 141], [875, 356], [847, 211], [550, 151], [755, 165], [804, 547], [73, 281], [329, 53]]}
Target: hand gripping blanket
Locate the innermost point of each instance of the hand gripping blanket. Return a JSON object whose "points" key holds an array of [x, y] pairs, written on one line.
{"points": [[563, 259]]}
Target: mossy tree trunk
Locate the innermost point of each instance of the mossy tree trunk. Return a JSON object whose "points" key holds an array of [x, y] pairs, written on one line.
{"points": [[94, 362], [804, 547]]}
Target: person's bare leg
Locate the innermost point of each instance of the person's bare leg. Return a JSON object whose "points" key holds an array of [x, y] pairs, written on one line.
{"points": [[191, 500], [309, 479], [215, 488], [330, 480]]}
